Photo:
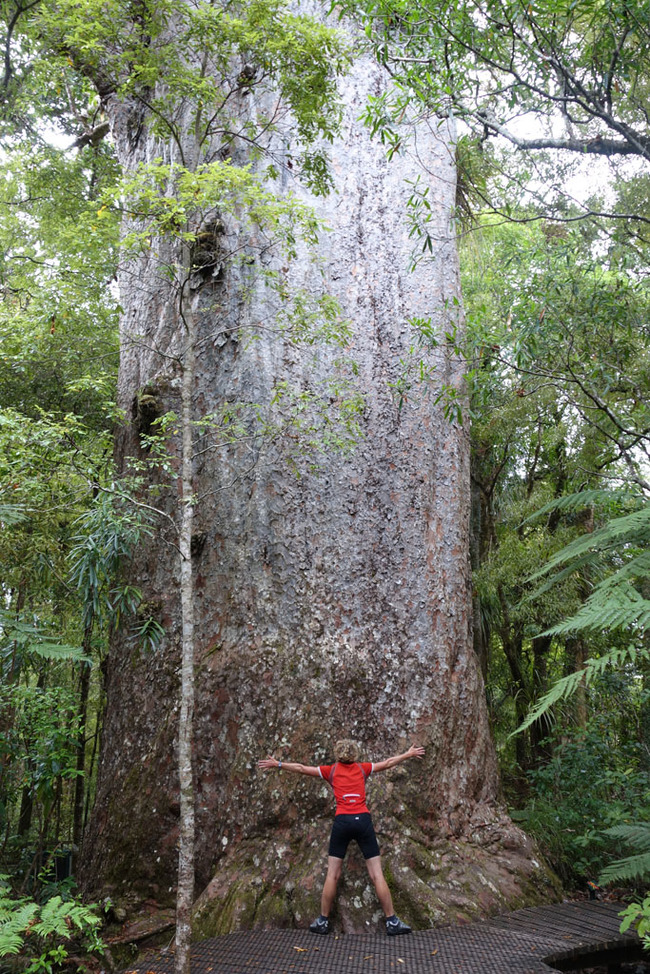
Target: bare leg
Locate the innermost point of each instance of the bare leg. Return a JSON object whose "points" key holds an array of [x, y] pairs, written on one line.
{"points": [[334, 867], [381, 886]]}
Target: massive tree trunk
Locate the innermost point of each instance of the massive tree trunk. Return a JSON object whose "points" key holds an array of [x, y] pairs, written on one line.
{"points": [[336, 603]]}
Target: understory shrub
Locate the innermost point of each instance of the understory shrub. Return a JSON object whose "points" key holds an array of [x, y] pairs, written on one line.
{"points": [[594, 780]]}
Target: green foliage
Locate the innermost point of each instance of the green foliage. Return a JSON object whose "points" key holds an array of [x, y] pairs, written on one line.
{"points": [[567, 686], [38, 744], [107, 534], [575, 70], [41, 933], [558, 348], [615, 602], [592, 782], [58, 319], [633, 867], [226, 50], [58, 361], [20, 639], [195, 196], [552, 317], [619, 554], [637, 915]]}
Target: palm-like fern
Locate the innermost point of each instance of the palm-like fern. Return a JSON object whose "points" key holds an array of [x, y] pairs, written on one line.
{"points": [[564, 688], [622, 543], [30, 638], [619, 555], [636, 866]]}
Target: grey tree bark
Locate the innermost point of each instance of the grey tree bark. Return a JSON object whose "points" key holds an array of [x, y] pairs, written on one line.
{"points": [[334, 603]]}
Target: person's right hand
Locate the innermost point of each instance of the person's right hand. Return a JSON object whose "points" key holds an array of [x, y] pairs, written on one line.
{"points": [[415, 751]]}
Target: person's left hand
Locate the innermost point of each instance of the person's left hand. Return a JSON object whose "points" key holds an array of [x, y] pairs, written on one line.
{"points": [[267, 764]]}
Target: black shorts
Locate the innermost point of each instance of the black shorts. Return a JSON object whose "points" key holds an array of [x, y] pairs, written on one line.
{"points": [[358, 827]]}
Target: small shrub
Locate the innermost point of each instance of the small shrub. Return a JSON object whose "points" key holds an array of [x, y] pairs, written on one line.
{"points": [[591, 784]]}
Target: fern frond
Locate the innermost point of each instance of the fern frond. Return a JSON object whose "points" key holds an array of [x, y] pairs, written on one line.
{"points": [[636, 834], [637, 567], [10, 942], [575, 566], [7, 906], [606, 609], [60, 652], [83, 918], [568, 685], [13, 926], [21, 916], [35, 640], [626, 870], [53, 919], [11, 514], [633, 528], [58, 916], [585, 498]]}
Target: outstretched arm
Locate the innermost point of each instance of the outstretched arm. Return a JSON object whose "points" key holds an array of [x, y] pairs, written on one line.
{"points": [[413, 752], [268, 764]]}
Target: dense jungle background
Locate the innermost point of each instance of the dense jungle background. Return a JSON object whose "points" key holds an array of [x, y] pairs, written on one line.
{"points": [[552, 216]]}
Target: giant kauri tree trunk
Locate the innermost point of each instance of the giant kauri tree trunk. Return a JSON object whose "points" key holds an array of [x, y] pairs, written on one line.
{"points": [[334, 603]]}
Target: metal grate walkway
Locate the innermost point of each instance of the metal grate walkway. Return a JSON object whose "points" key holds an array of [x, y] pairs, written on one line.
{"points": [[528, 941]]}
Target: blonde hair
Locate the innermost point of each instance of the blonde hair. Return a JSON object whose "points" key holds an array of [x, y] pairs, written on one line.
{"points": [[347, 752]]}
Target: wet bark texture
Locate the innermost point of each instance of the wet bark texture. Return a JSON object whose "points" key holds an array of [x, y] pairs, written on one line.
{"points": [[337, 603]]}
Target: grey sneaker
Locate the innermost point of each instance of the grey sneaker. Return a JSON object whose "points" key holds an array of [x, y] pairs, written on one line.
{"points": [[320, 925], [394, 927]]}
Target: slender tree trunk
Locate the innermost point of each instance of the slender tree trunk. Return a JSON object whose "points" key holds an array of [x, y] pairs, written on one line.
{"points": [[91, 764], [481, 640], [80, 765], [26, 811], [185, 891], [576, 655], [27, 797], [539, 730]]}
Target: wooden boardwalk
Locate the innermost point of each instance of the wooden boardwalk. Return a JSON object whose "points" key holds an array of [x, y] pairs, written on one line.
{"points": [[532, 941]]}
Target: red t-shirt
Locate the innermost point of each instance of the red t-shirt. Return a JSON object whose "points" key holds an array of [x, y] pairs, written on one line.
{"points": [[349, 784]]}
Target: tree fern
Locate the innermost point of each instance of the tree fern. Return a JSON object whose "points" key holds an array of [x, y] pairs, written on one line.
{"points": [[586, 498], [636, 834], [636, 866], [610, 606], [568, 685], [620, 553], [629, 529], [617, 556], [32, 639], [627, 870]]}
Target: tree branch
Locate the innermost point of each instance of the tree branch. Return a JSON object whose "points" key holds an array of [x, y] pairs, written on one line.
{"points": [[595, 146]]}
